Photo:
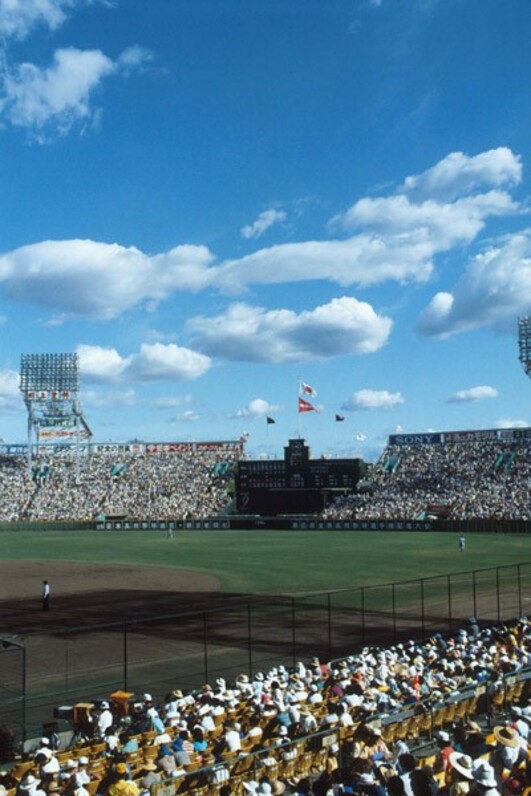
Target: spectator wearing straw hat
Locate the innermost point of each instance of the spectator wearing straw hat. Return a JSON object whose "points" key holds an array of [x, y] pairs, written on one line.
{"points": [[511, 748], [149, 775], [460, 772]]}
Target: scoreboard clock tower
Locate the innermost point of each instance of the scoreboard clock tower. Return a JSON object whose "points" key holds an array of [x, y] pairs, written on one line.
{"points": [[295, 485]]}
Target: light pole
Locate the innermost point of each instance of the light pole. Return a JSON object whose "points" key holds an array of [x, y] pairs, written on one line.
{"points": [[8, 642]]}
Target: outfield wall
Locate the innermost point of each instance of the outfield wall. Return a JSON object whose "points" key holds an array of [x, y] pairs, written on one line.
{"points": [[291, 523]]}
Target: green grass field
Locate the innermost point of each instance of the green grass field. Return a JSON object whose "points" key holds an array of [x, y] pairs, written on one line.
{"points": [[278, 561]]}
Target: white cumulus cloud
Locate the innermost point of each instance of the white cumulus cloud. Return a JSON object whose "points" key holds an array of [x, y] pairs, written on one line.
{"points": [[458, 174], [397, 237], [439, 226], [472, 394], [156, 362], [493, 291], [10, 395], [507, 422], [394, 238], [19, 17], [247, 333], [265, 220], [189, 416], [9, 382], [48, 101], [372, 399], [84, 278], [258, 407]]}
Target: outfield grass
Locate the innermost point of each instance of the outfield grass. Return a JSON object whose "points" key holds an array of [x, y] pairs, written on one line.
{"points": [[278, 561]]}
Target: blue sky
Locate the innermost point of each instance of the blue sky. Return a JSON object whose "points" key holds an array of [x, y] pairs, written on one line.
{"points": [[209, 200]]}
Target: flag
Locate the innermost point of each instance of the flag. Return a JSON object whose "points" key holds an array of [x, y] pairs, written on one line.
{"points": [[270, 420], [306, 406], [360, 437], [399, 429], [339, 418], [305, 389]]}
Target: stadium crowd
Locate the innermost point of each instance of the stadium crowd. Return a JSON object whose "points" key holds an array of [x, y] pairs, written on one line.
{"points": [[158, 485], [266, 734], [472, 480]]}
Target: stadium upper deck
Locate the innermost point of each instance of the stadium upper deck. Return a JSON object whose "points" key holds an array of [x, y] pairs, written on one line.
{"points": [[460, 475]]}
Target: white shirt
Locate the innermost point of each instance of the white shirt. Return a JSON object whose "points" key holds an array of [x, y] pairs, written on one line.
{"points": [[233, 740]]}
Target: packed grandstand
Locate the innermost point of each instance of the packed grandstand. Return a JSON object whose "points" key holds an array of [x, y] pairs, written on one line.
{"points": [[457, 475], [449, 715], [164, 481]]}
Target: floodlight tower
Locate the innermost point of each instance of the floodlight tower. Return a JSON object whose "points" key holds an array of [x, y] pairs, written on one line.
{"points": [[524, 343], [50, 385]]}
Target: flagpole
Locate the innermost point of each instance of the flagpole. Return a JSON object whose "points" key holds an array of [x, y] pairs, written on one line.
{"points": [[298, 412]]}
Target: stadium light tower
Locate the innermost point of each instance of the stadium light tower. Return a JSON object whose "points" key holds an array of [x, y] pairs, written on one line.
{"points": [[50, 385], [524, 343]]}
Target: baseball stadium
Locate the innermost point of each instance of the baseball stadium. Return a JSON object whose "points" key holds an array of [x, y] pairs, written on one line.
{"points": [[179, 618]]}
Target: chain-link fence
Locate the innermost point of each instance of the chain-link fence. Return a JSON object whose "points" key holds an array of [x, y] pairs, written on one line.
{"points": [[42, 672]]}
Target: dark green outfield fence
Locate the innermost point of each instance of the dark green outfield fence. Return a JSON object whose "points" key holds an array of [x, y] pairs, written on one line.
{"points": [[41, 672], [281, 522]]}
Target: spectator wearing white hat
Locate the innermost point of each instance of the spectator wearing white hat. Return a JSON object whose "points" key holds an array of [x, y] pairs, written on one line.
{"points": [[43, 748], [82, 776], [460, 771], [105, 719], [29, 786], [445, 748], [485, 783]]}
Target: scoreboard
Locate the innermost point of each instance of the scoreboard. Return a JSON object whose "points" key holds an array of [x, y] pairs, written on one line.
{"points": [[296, 483]]}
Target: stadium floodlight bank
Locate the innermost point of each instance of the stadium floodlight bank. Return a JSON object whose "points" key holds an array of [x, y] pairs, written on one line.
{"points": [[524, 343], [50, 386]]}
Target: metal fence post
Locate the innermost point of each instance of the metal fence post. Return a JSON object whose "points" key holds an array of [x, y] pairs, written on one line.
{"points": [[422, 606], [249, 639], [329, 607], [293, 635], [519, 581], [363, 616], [474, 594], [393, 599], [205, 644], [449, 587], [498, 591], [125, 657]]}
